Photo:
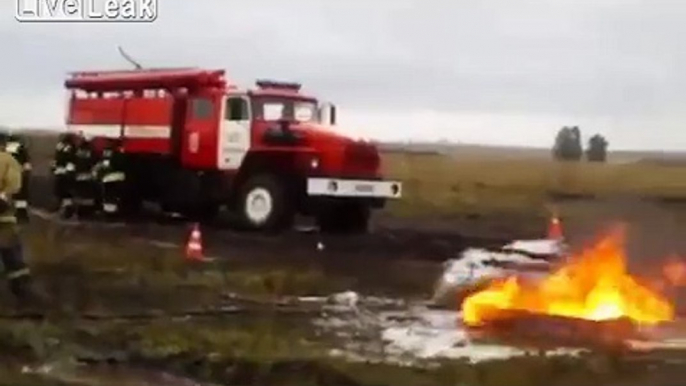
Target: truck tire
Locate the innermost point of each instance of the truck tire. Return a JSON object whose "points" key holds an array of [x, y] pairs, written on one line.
{"points": [[344, 218], [264, 204]]}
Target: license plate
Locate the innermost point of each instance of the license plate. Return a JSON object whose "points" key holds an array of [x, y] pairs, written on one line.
{"points": [[364, 188]]}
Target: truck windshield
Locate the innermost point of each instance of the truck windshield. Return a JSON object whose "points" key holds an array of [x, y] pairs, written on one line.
{"points": [[274, 109]]}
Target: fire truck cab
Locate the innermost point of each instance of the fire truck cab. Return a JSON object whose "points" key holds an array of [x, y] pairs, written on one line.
{"points": [[195, 144]]}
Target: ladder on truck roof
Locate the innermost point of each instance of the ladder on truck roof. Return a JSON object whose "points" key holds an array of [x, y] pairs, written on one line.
{"points": [[79, 74], [156, 78]]}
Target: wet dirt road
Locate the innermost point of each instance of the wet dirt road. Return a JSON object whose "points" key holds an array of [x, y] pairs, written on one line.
{"points": [[397, 254]]}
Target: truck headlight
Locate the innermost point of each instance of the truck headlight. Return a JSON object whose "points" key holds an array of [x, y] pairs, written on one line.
{"points": [[395, 189], [314, 163]]}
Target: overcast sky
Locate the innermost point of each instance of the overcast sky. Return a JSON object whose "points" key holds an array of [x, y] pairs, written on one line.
{"points": [[488, 71]]}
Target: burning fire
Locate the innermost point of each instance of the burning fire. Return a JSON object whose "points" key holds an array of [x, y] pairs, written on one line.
{"points": [[595, 285]]}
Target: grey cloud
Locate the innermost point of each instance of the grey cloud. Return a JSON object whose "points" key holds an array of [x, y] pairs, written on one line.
{"points": [[588, 59]]}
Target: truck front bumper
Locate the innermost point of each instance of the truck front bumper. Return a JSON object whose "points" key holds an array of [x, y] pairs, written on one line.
{"points": [[353, 188]]}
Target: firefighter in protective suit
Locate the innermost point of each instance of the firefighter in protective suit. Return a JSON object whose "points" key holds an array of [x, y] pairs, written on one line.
{"points": [[84, 189], [17, 147], [63, 169], [11, 251], [111, 177]]}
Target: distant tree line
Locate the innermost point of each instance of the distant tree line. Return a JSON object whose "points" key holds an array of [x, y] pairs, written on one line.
{"points": [[568, 146]]}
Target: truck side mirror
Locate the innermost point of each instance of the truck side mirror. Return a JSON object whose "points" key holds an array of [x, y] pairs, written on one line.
{"points": [[332, 115], [327, 114]]}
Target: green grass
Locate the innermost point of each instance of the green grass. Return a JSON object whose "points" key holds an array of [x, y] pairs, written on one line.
{"points": [[487, 185], [113, 273], [262, 348], [279, 352], [493, 181], [269, 351]]}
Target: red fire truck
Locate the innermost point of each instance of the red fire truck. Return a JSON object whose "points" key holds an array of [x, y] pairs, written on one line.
{"points": [[195, 144]]}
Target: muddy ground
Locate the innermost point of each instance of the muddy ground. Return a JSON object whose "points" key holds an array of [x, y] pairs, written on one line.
{"points": [[655, 231], [123, 299], [125, 307], [655, 227]]}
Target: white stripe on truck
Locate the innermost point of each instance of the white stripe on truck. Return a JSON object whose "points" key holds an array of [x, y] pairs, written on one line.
{"points": [[130, 131]]}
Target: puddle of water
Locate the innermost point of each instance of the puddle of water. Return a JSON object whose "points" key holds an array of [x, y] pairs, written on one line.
{"points": [[408, 335]]}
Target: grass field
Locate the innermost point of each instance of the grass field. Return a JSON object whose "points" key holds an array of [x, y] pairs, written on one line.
{"points": [[482, 181], [474, 184]]}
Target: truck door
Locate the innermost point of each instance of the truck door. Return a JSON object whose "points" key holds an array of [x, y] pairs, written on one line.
{"points": [[200, 133], [234, 137], [178, 120]]}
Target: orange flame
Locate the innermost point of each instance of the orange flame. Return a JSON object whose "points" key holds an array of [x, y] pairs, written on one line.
{"points": [[594, 285]]}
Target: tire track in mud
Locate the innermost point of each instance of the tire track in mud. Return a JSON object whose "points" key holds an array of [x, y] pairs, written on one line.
{"points": [[381, 244], [387, 261], [387, 240], [395, 257]]}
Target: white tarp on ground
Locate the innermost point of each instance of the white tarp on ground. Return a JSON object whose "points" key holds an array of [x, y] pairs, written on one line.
{"points": [[438, 334], [527, 258], [392, 331], [409, 334], [413, 335], [535, 247]]}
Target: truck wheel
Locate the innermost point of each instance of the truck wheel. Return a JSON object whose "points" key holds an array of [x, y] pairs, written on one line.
{"points": [[264, 204], [350, 218]]}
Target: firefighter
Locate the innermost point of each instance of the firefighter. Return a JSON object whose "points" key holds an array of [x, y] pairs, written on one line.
{"points": [[63, 173], [17, 147], [110, 176], [84, 188], [11, 251]]}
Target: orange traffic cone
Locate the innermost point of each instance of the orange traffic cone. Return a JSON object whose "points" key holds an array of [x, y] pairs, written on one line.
{"points": [[555, 229], [194, 250]]}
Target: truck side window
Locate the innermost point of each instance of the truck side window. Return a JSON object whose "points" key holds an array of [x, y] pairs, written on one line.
{"points": [[236, 109], [202, 108]]}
